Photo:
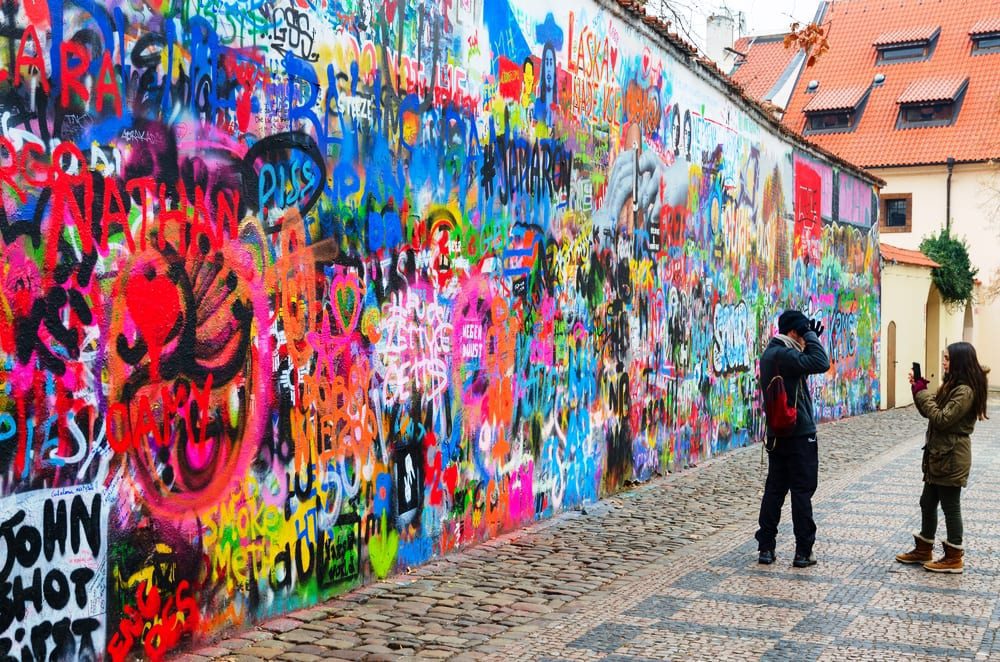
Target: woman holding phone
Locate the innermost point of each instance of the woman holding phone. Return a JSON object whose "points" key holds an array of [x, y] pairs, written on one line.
{"points": [[951, 415]]}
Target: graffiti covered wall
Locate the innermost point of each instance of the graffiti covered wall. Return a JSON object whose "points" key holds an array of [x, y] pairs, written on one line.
{"points": [[298, 293]]}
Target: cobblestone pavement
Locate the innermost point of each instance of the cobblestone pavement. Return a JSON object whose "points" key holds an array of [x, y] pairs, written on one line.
{"points": [[668, 571]]}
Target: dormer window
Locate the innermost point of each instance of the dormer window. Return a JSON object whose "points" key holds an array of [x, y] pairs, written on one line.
{"points": [[830, 121], [985, 36], [909, 45], [835, 111], [986, 43], [931, 113], [931, 102]]}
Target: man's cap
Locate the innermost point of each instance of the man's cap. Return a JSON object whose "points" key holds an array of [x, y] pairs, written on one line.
{"points": [[791, 320]]}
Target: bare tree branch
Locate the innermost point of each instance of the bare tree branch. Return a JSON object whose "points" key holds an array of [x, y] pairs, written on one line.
{"points": [[671, 11]]}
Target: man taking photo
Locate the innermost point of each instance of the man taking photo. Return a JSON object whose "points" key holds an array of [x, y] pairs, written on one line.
{"points": [[793, 460]]}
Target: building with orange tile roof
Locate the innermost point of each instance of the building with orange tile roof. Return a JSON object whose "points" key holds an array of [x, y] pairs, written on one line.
{"points": [[770, 72], [910, 90], [895, 255]]}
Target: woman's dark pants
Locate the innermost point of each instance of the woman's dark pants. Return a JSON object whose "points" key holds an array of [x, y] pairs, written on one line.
{"points": [[950, 498]]}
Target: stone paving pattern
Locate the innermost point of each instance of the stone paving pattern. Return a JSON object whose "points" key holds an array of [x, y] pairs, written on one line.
{"points": [[668, 571]]}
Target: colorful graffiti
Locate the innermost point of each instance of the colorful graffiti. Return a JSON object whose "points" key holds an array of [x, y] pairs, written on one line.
{"points": [[297, 294]]}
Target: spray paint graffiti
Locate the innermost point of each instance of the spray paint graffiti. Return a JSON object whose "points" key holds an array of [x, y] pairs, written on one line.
{"points": [[294, 296]]}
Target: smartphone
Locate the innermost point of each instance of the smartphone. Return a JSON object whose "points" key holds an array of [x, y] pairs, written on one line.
{"points": [[916, 370]]}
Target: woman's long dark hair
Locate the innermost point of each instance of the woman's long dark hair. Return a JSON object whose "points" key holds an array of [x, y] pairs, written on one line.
{"points": [[964, 368]]}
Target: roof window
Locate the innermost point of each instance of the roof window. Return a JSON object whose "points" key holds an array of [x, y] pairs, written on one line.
{"points": [[931, 102], [908, 45], [986, 43], [985, 36], [835, 110]]}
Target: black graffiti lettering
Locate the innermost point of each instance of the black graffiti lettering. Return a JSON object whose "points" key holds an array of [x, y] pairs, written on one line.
{"points": [[56, 589], [338, 554], [53, 590], [39, 640], [304, 569], [65, 642], [543, 169], [20, 594], [281, 572], [28, 546], [54, 525], [39, 581], [7, 532], [322, 559], [90, 522], [80, 578], [371, 526], [6, 607], [487, 172], [83, 628]]}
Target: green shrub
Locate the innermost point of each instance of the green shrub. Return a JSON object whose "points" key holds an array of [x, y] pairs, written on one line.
{"points": [[956, 276]]}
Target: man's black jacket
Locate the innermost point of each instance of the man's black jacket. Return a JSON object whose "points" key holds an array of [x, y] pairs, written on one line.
{"points": [[794, 366]]}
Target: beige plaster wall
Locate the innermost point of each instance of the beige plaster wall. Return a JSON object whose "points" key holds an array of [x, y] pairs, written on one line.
{"points": [[986, 338], [952, 321], [904, 294]]}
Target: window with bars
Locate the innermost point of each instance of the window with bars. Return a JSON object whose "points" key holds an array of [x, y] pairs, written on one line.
{"points": [[896, 212]]}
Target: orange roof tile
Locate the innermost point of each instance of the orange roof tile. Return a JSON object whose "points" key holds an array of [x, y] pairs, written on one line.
{"points": [[758, 73], [933, 89], [986, 26], [851, 61], [742, 45], [844, 98], [905, 36], [906, 256]]}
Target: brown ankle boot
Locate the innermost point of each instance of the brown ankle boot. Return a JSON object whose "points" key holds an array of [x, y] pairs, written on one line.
{"points": [[922, 551], [952, 561]]}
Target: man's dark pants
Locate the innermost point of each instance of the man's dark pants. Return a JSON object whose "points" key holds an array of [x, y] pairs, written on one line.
{"points": [[793, 467]]}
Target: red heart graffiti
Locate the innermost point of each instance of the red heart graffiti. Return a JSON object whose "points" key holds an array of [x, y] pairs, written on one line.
{"points": [[154, 304]]}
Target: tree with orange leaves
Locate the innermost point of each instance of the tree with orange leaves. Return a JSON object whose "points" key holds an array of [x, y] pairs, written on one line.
{"points": [[811, 38]]}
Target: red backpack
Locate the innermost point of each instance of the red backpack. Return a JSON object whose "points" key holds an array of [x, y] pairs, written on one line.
{"points": [[781, 416]]}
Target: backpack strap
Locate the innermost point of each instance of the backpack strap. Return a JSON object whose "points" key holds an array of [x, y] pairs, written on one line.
{"points": [[777, 375]]}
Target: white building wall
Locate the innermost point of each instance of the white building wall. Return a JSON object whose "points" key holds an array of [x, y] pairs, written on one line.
{"points": [[975, 216]]}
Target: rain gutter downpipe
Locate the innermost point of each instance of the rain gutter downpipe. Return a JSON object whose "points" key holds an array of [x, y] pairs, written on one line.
{"points": [[947, 210]]}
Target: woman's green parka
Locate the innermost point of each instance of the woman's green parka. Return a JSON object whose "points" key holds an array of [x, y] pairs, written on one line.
{"points": [[948, 451]]}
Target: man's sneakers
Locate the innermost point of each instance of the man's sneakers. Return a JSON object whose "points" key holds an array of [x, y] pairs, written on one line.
{"points": [[765, 557], [804, 561]]}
